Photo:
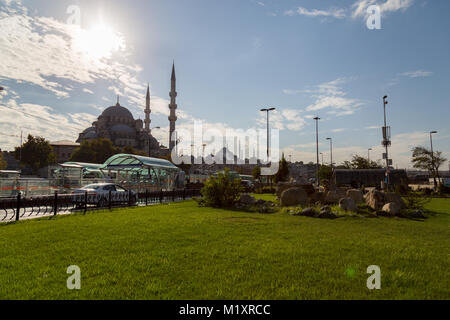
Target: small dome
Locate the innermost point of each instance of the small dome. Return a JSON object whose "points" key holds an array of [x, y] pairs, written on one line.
{"points": [[122, 128], [118, 111]]}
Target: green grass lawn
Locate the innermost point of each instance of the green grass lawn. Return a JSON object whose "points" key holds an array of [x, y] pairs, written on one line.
{"points": [[181, 251]]}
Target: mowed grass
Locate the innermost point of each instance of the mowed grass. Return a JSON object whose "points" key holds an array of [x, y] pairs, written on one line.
{"points": [[182, 251]]}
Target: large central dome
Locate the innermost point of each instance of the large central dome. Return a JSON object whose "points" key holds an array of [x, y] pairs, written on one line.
{"points": [[118, 111]]}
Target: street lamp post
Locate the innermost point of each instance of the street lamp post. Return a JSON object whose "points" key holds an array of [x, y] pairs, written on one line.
{"points": [[368, 155], [322, 158], [331, 151], [267, 110], [317, 149], [432, 159]]}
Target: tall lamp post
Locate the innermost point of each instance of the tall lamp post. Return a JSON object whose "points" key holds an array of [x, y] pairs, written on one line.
{"points": [[317, 149], [386, 140], [267, 110], [432, 159], [322, 158], [331, 150], [368, 155]]}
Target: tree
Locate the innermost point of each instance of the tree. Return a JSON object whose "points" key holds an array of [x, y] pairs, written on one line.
{"points": [[422, 158], [95, 151], [3, 163], [359, 162], [283, 171], [325, 173], [131, 150], [256, 173], [36, 153]]}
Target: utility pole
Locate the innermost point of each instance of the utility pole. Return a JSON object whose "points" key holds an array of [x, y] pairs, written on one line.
{"points": [[386, 140], [368, 155], [317, 149]]}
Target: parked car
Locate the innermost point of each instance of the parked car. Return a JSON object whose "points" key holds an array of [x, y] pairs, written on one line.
{"points": [[98, 194]]}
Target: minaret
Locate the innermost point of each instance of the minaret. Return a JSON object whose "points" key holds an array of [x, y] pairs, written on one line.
{"points": [[173, 107], [147, 112]]}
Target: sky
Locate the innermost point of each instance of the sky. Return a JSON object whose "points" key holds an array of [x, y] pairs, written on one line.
{"points": [[306, 58]]}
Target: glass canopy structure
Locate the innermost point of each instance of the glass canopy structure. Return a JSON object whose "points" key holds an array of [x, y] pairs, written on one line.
{"points": [[142, 173], [133, 172]]}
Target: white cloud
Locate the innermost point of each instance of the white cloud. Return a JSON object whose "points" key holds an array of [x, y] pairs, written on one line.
{"points": [[417, 74], [360, 7], [330, 96], [332, 12], [88, 91]]}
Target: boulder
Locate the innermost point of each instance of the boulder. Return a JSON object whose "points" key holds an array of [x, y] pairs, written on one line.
{"points": [[394, 197], [325, 213], [247, 200], [309, 212], [332, 197], [392, 208], [348, 204], [375, 199], [417, 215], [293, 197], [357, 195]]}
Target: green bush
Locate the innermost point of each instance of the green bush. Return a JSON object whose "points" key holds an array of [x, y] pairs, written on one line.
{"points": [[443, 190], [221, 192], [416, 201]]}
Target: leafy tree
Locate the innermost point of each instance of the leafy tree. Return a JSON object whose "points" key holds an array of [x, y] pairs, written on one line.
{"points": [[325, 173], [256, 173], [283, 171], [222, 192], [131, 150], [422, 158], [36, 153], [95, 151], [359, 162], [3, 163]]}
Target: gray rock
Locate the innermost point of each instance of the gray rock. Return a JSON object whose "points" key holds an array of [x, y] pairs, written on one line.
{"points": [[357, 195], [393, 197], [417, 215], [247, 200], [348, 204], [392, 208], [309, 212], [375, 199], [294, 197]]}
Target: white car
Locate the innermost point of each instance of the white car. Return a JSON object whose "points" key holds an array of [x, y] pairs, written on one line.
{"points": [[98, 194]]}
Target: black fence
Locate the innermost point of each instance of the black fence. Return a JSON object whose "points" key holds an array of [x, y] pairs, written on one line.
{"points": [[19, 208]]}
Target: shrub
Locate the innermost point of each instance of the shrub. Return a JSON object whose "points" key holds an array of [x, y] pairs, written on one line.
{"points": [[442, 190], [222, 192], [415, 201]]}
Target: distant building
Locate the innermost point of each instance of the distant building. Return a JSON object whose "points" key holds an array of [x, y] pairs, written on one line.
{"points": [[117, 124], [63, 150], [368, 177]]}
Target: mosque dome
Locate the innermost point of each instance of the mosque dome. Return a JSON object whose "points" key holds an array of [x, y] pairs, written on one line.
{"points": [[118, 111]]}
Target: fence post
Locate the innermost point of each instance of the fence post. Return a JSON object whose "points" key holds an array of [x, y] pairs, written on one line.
{"points": [[146, 197], [110, 200], [161, 196], [18, 206], [129, 198], [85, 201], [55, 205]]}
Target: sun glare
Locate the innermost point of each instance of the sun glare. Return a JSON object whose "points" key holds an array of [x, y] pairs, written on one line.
{"points": [[99, 42]]}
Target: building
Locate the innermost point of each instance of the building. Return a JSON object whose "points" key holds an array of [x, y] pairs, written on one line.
{"points": [[63, 149], [117, 124]]}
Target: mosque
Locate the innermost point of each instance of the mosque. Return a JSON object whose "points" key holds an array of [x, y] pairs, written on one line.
{"points": [[117, 124]]}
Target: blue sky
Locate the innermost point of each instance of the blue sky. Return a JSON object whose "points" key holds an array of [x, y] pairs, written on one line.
{"points": [[304, 57]]}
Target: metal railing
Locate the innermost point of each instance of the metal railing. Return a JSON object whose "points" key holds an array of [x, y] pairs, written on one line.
{"points": [[20, 208]]}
